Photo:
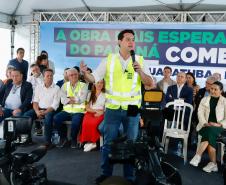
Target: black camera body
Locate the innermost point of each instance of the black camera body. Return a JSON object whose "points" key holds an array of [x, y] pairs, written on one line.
{"points": [[20, 168], [145, 155]]}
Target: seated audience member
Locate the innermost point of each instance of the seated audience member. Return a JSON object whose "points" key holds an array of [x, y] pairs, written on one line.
{"points": [[166, 81], [36, 77], [191, 82], [212, 120], [61, 82], [203, 92], [50, 62], [93, 117], [42, 62], [45, 103], [73, 97], [180, 90], [19, 63], [8, 74], [16, 96]]}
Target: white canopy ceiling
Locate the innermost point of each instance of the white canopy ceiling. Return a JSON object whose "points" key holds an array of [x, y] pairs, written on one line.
{"points": [[25, 7]]}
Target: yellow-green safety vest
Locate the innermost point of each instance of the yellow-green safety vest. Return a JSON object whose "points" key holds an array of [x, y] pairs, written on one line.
{"points": [[122, 88], [74, 108]]}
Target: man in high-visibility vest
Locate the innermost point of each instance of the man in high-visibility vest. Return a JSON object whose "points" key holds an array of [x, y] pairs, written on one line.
{"points": [[123, 75], [73, 96]]}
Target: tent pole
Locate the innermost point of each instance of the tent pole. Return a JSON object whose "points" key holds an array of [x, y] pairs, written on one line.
{"points": [[13, 23], [12, 40]]}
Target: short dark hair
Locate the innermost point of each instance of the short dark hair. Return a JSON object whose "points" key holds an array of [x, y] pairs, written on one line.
{"points": [[47, 70], [20, 49], [167, 67], [66, 68], [18, 70], [121, 34], [32, 65], [89, 69], [44, 52], [219, 84]]}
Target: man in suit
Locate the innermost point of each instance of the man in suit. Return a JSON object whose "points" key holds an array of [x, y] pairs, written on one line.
{"points": [[15, 96], [180, 90]]}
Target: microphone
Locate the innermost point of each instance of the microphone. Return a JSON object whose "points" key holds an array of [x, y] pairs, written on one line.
{"points": [[132, 53]]}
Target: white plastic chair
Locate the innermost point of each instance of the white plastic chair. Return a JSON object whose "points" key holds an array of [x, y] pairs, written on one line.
{"points": [[175, 128]]}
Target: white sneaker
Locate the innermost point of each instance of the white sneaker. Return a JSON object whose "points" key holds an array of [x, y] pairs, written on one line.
{"points": [[90, 147], [210, 167], [195, 160], [86, 145]]}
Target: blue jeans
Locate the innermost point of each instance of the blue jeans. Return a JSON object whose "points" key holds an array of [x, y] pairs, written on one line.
{"points": [[76, 120], [48, 122], [8, 113], [112, 121]]}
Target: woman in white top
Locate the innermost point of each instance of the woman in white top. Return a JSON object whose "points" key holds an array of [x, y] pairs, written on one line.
{"points": [[93, 117]]}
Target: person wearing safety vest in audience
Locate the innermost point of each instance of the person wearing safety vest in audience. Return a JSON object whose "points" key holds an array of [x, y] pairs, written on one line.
{"points": [[73, 97]]}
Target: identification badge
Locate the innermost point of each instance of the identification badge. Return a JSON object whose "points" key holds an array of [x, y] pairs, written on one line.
{"points": [[129, 75]]}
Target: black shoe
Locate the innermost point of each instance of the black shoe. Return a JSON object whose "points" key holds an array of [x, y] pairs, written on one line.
{"points": [[75, 145], [100, 179]]}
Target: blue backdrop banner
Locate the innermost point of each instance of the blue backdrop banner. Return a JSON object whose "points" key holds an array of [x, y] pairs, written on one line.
{"points": [[200, 49]]}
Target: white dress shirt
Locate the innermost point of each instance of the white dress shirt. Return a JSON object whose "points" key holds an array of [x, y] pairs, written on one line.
{"points": [[179, 88], [35, 81], [47, 97], [13, 100], [100, 71]]}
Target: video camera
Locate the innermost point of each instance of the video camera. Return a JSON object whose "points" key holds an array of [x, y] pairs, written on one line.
{"points": [[145, 155], [20, 168], [13, 128]]}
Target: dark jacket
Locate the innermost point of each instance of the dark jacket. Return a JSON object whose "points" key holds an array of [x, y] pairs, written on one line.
{"points": [[198, 98], [186, 93], [26, 93]]}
